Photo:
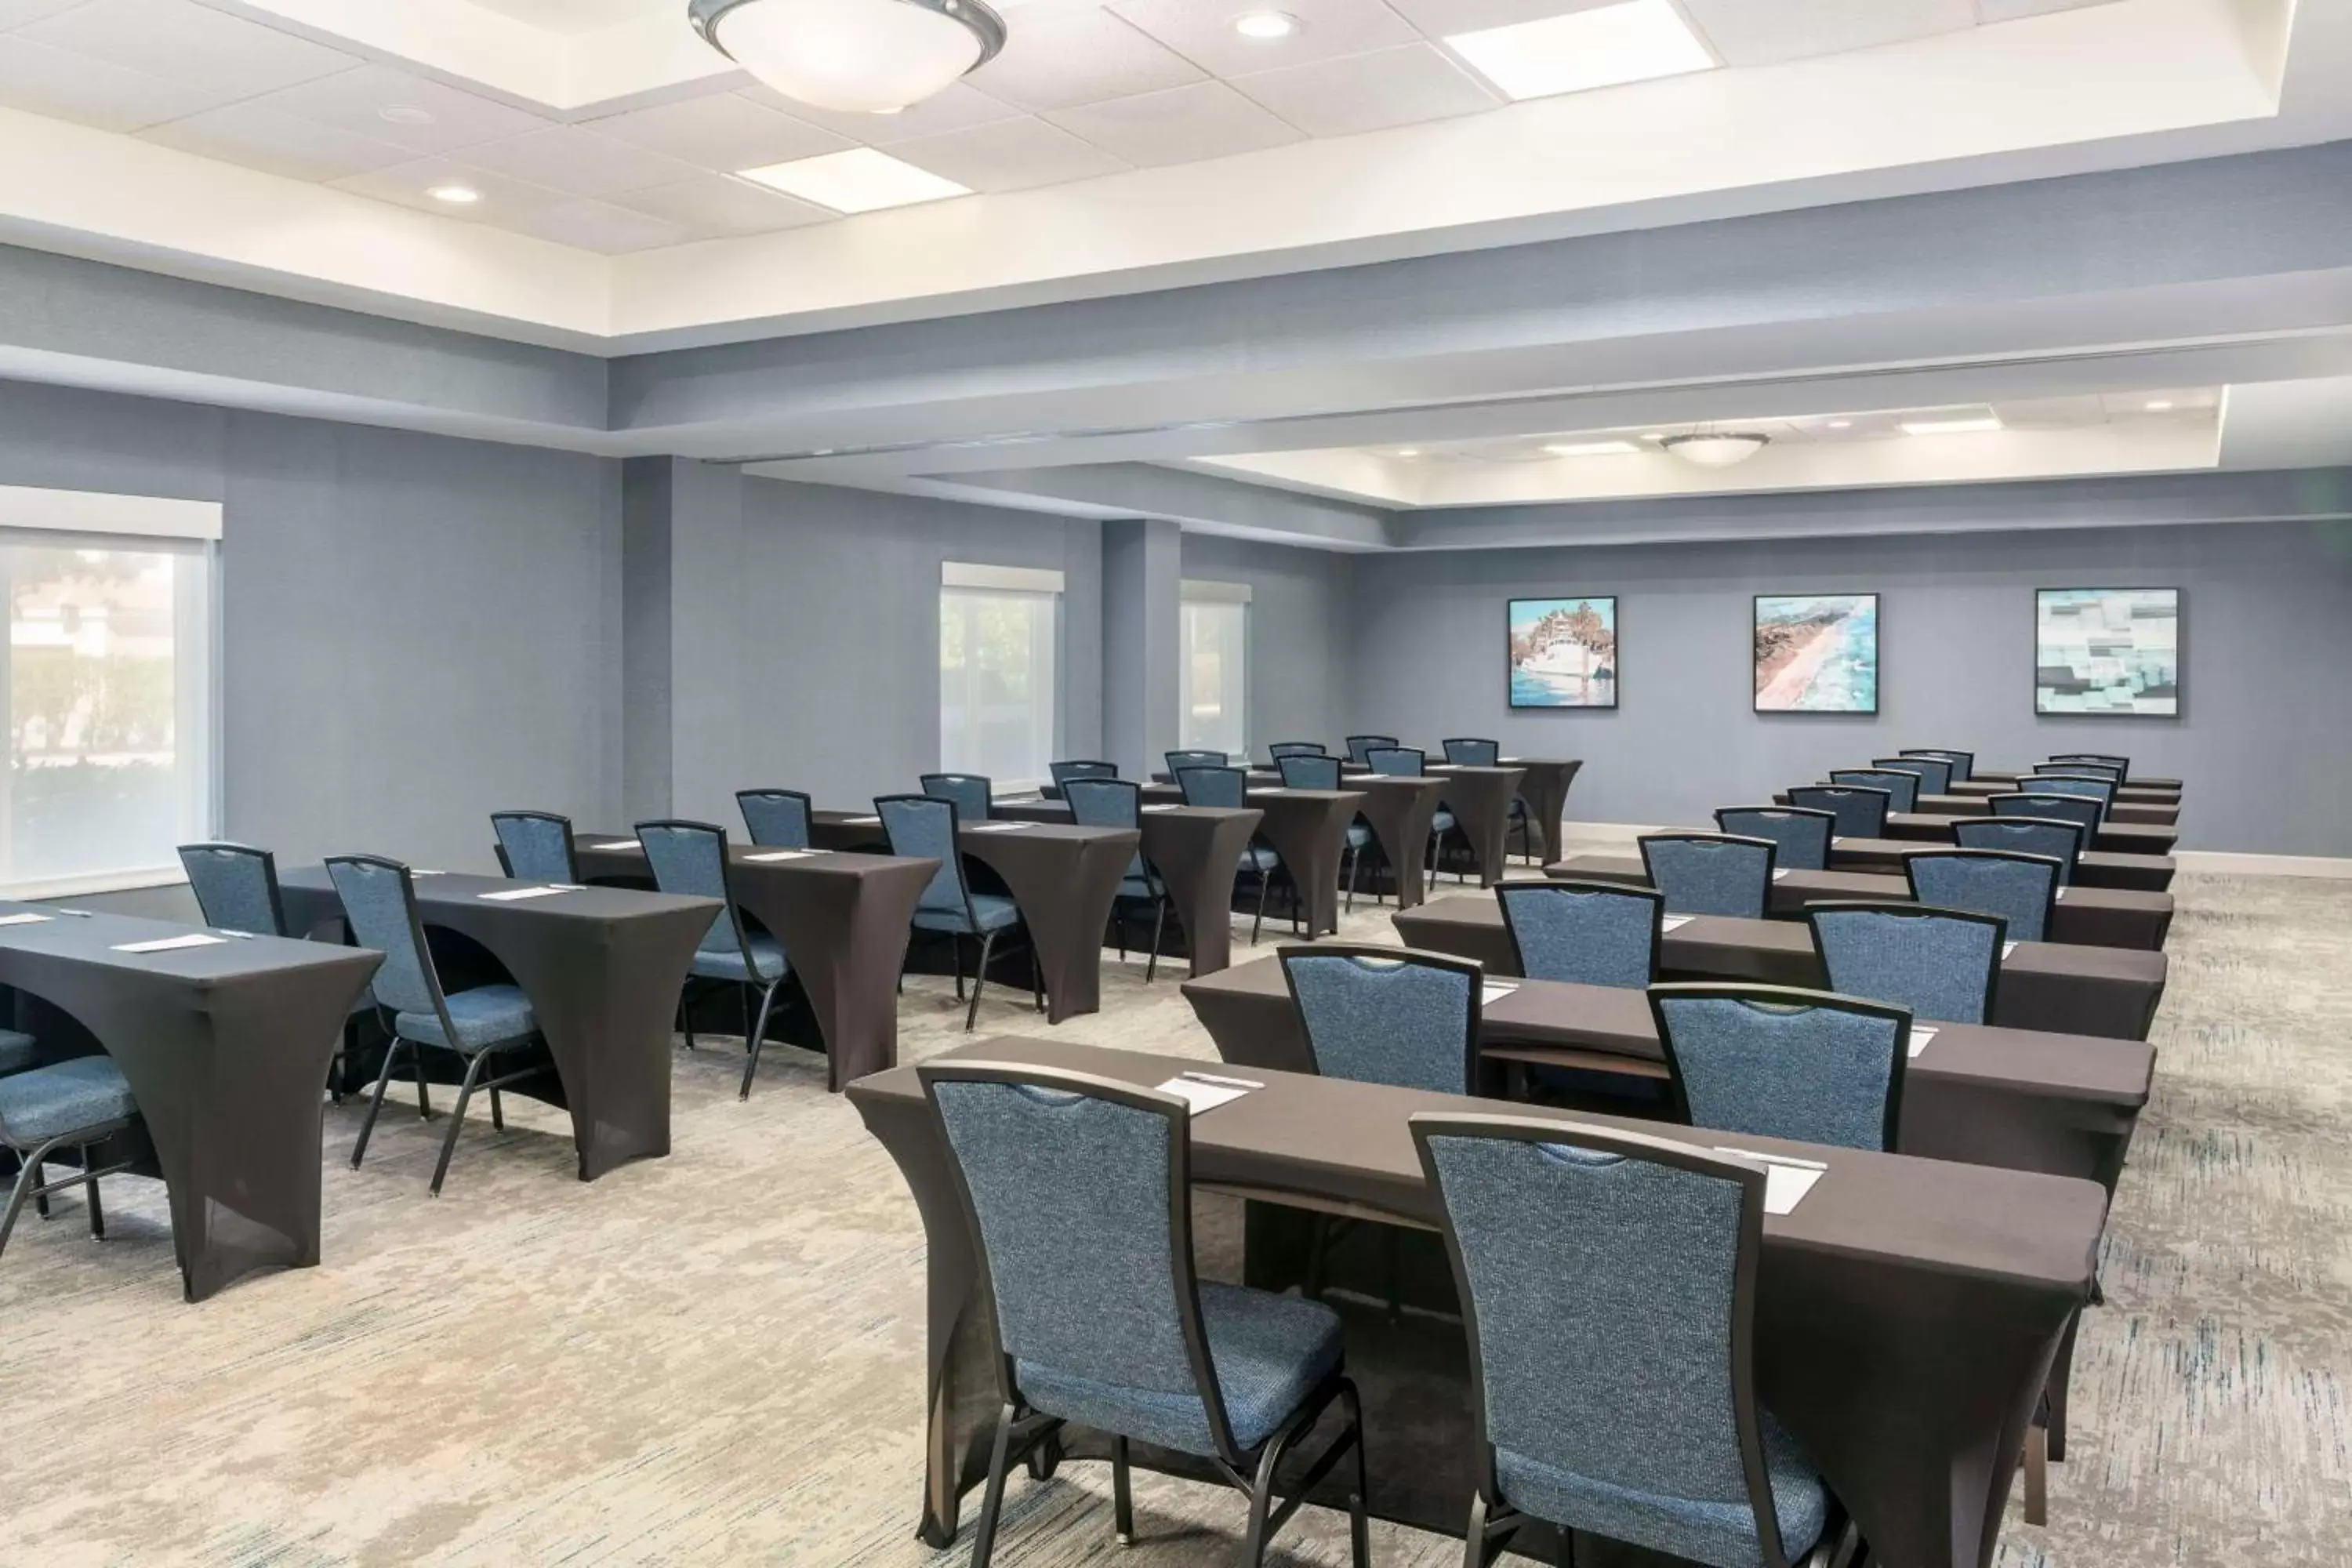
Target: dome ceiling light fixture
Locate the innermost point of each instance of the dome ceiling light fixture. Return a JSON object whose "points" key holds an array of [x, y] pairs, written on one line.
{"points": [[868, 57], [1716, 448]]}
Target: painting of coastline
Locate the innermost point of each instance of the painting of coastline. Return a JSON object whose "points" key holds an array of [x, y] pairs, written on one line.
{"points": [[1564, 653], [1817, 654], [2108, 651]]}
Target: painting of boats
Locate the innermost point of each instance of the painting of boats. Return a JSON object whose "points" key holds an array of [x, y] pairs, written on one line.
{"points": [[1564, 653]]}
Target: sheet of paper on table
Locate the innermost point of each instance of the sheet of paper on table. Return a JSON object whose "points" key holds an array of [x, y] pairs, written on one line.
{"points": [[2062, 892], [2007, 948], [1675, 923], [517, 895], [1920, 1038], [1163, 805], [1000, 826], [173, 944], [1781, 874], [863, 821], [1786, 1180], [622, 844], [768, 856], [1494, 992], [25, 918], [1206, 1091]]}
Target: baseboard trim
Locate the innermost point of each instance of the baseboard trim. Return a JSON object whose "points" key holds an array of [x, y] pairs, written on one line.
{"points": [[2226, 863]]}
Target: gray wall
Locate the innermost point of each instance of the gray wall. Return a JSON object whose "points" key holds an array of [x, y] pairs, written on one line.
{"points": [[1298, 632], [2264, 741]]}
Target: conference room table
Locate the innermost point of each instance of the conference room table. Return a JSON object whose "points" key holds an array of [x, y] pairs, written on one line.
{"points": [[1398, 808], [1933, 824], [1908, 1311], [1308, 829], [226, 1041], [1480, 800], [1544, 787], [602, 967], [1998, 779], [2092, 867], [842, 918], [1065, 880], [2122, 811], [2082, 917], [1196, 852], [2106, 991]]}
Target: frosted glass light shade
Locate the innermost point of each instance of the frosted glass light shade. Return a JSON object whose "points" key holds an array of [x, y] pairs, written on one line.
{"points": [[853, 56]]}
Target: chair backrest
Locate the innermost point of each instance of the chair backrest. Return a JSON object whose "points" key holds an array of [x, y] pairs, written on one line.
{"points": [[1397, 762], [2022, 889], [1077, 1191], [1858, 813], [926, 824], [1388, 1015], [2079, 785], [1104, 802], [1359, 745], [1775, 1062], [1941, 964], [1711, 873], [777, 818], [2106, 771], [1282, 749], [1560, 1236], [1226, 788], [1062, 773], [1935, 773], [1179, 761], [236, 885], [1467, 752], [1901, 785], [974, 796], [690, 859], [2079, 809], [1963, 762], [1301, 770], [379, 903], [2054, 836], [536, 845], [1587, 933], [1800, 835], [2108, 759]]}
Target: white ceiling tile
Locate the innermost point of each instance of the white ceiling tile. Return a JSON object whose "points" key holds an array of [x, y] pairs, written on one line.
{"points": [[1179, 125], [16, 12], [1203, 31], [1060, 57], [503, 199], [277, 143], [383, 104], [597, 225], [1442, 18], [571, 158], [1764, 32], [578, 15], [721, 131], [66, 86], [183, 42], [712, 206], [1368, 92], [1009, 155], [959, 108]]}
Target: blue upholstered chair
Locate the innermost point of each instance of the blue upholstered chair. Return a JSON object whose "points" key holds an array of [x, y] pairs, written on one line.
{"points": [[1412, 763], [776, 818], [1800, 835], [1179, 761], [2081, 787], [1771, 1061], [536, 846], [689, 858], [1587, 933], [927, 826], [2104, 759], [1388, 1015], [1282, 749], [1359, 745], [18, 1051], [2107, 771], [1560, 1236], [1940, 964], [1470, 751], [1076, 1190], [1963, 764], [1935, 773], [2022, 889], [45, 1112], [1711, 873], [1119, 803], [2054, 836], [1901, 785], [1858, 813], [1062, 773], [1227, 789], [1313, 770], [2083, 811], [974, 796], [478, 1025]]}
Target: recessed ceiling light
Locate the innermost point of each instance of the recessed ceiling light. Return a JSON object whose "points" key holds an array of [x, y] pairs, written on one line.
{"points": [[1408, 451], [404, 114], [1971, 427], [1265, 26], [1632, 41], [2160, 405], [861, 179], [456, 196], [1841, 423], [1590, 448], [1718, 449]]}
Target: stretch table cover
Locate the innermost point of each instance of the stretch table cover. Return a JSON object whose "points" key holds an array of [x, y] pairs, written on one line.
{"points": [[2092, 867], [1197, 852], [1309, 829]]}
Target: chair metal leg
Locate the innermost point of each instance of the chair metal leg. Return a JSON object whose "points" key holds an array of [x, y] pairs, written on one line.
{"points": [[1122, 1499], [498, 1112], [40, 1198], [1474, 1535], [992, 1503], [1264, 880], [1355, 856], [1261, 1503], [28, 1166], [685, 1012], [955, 947], [759, 1038], [89, 1185], [1036, 977], [743, 1009], [1359, 1509], [375, 1101], [1159, 928], [457, 1118], [424, 1101], [979, 979]]}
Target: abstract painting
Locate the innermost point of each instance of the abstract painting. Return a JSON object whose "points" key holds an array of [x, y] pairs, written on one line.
{"points": [[1564, 653], [1817, 653], [2108, 651]]}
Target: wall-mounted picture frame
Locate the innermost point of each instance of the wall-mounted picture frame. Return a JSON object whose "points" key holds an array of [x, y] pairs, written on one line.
{"points": [[2106, 653], [1563, 652], [1816, 653]]}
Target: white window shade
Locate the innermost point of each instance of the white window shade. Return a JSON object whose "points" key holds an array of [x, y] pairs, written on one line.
{"points": [[999, 634], [1214, 666]]}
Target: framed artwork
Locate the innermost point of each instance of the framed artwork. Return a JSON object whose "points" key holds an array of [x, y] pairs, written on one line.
{"points": [[1817, 653], [2108, 651], [1564, 653]]}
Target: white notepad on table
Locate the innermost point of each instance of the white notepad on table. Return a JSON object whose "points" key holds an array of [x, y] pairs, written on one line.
{"points": [[1786, 1180], [517, 895], [2062, 892], [24, 918], [999, 826], [767, 857], [1165, 805], [171, 943], [1780, 875], [1920, 1038], [620, 844], [1206, 1091], [1675, 923], [1495, 992], [863, 821], [2007, 948]]}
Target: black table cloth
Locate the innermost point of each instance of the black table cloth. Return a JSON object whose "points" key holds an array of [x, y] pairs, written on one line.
{"points": [[1907, 1312], [225, 1048], [1545, 789], [603, 968], [1399, 810], [2092, 867], [2084, 917], [2111, 991], [1480, 800], [1309, 829], [2113, 837], [843, 919], [2142, 788], [1197, 852], [1979, 803]]}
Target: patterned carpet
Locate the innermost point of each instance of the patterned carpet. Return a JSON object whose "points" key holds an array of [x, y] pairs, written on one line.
{"points": [[718, 1358]]}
